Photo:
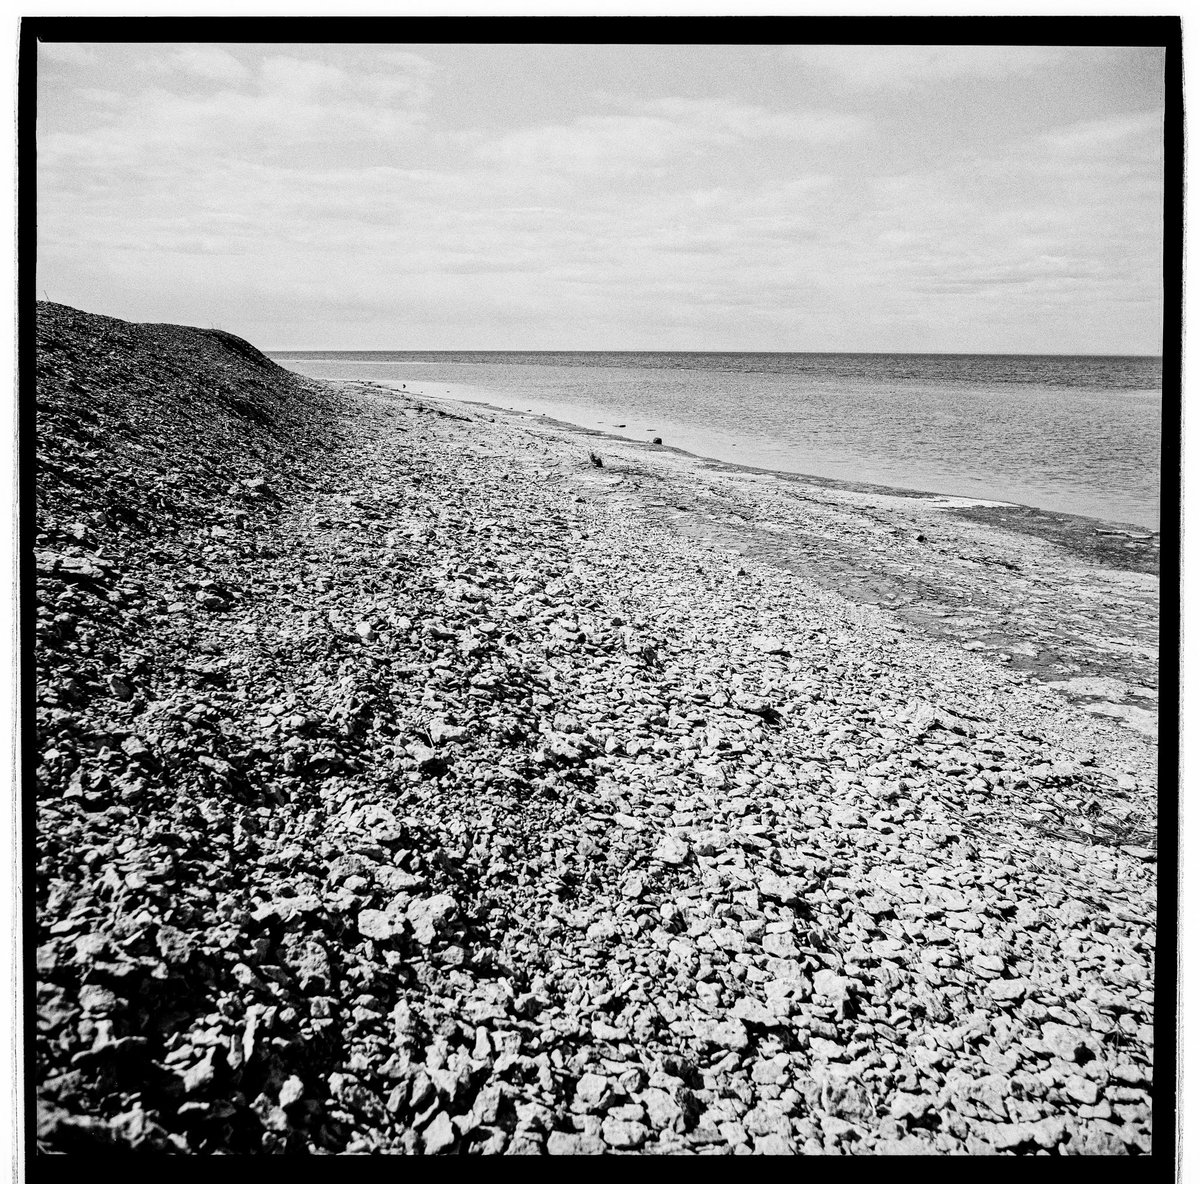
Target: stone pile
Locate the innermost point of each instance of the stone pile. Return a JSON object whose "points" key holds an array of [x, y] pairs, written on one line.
{"points": [[395, 796]]}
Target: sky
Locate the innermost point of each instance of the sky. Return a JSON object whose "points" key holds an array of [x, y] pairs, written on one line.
{"points": [[465, 196]]}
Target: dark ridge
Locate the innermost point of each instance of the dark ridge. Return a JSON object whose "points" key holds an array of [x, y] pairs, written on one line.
{"points": [[165, 458], [154, 428], [242, 348]]}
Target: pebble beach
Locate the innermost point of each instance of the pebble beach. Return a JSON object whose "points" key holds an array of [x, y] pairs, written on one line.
{"points": [[416, 778]]}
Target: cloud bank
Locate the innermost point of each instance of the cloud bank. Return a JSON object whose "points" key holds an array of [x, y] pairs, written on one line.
{"points": [[377, 196]]}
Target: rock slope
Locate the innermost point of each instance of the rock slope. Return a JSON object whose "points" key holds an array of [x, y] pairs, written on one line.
{"points": [[395, 795]]}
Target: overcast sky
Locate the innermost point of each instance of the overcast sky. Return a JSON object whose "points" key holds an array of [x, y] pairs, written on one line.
{"points": [[907, 198]]}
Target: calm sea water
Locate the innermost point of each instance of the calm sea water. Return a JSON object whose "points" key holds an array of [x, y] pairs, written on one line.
{"points": [[1075, 434]]}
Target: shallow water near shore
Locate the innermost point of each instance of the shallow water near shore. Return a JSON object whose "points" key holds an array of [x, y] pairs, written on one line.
{"points": [[1074, 435]]}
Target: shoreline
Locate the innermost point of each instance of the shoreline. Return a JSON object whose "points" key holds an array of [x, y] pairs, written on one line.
{"points": [[994, 544], [717, 452], [979, 601], [1027, 518]]}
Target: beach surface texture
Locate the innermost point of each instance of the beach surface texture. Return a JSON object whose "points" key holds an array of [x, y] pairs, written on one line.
{"points": [[413, 777]]}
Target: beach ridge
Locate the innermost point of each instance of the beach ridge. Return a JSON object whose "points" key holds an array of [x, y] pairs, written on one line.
{"points": [[412, 777]]}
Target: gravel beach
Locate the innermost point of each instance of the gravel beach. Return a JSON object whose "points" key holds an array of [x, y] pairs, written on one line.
{"points": [[418, 778]]}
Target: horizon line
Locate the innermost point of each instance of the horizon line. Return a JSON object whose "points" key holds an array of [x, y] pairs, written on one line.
{"points": [[748, 352]]}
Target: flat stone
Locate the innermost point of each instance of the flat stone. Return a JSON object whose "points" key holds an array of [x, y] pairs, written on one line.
{"points": [[1070, 1044], [774, 1144], [429, 916], [781, 888], [623, 1135], [439, 1135], [729, 1034], [830, 985], [910, 1107], [671, 850], [768, 643], [1082, 1089], [1008, 989], [591, 1091], [379, 925]]}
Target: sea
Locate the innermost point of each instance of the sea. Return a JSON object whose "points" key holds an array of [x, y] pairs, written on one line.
{"points": [[1078, 435]]}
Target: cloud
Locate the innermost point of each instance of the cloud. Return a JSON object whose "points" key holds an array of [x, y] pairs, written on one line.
{"points": [[209, 62], [303, 77], [1112, 133], [311, 188], [660, 132], [880, 67], [1048, 220], [157, 134], [404, 79], [722, 117], [67, 53], [594, 144], [411, 63]]}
